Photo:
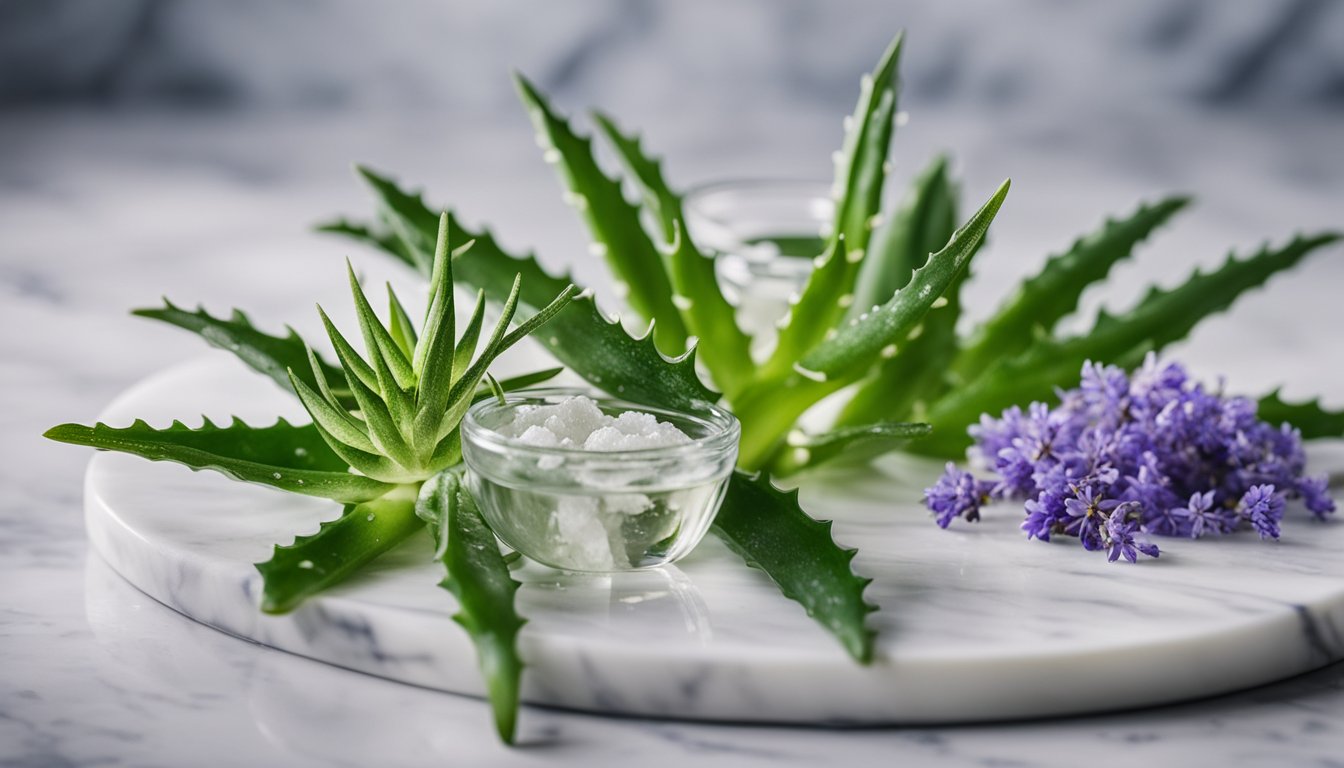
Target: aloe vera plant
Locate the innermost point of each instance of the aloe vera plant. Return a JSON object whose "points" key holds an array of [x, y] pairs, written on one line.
{"points": [[383, 442], [878, 317]]}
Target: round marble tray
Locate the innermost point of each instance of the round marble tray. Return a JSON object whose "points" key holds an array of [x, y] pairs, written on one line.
{"points": [[976, 623]]}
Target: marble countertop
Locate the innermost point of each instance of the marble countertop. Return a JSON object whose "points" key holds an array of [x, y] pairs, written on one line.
{"points": [[103, 212]]}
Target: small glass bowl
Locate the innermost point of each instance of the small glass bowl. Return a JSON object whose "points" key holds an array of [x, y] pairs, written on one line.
{"points": [[598, 511], [764, 234]]}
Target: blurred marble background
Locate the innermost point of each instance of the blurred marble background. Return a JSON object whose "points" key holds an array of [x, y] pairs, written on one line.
{"points": [[210, 136], [185, 147], [1021, 56]]}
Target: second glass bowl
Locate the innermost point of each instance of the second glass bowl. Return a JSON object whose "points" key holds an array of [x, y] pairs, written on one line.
{"points": [[598, 511], [764, 234]]}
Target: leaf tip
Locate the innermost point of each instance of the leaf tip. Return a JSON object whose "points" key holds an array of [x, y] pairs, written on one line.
{"points": [[63, 433], [368, 174], [526, 89]]}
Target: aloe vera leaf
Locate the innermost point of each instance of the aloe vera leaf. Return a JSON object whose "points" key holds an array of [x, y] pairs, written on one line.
{"points": [[539, 318], [580, 337], [442, 415], [466, 345], [399, 402], [478, 576], [922, 223], [400, 325], [1309, 417], [367, 463], [434, 357], [596, 347], [525, 380], [862, 168], [459, 399], [370, 234], [905, 383], [851, 444], [334, 420], [769, 406], [769, 530], [389, 362], [659, 199], [291, 458], [495, 389], [860, 173], [352, 365], [1041, 301], [707, 314], [599, 350], [917, 372], [340, 547], [769, 411], [613, 222], [417, 242], [860, 343], [384, 430], [1162, 317], [270, 355]]}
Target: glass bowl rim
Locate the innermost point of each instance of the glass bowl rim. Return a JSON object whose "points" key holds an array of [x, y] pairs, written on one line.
{"points": [[727, 428], [756, 182]]}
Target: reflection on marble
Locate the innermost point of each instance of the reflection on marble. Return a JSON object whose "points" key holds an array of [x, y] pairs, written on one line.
{"points": [[183, 694], [978, 624]]}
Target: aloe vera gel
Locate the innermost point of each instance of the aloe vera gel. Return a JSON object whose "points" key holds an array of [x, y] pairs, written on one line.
{"points": [[597, 485]]}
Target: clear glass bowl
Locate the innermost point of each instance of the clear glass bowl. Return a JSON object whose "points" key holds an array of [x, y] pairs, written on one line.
{"points": [[764, 234], [598, 511]]}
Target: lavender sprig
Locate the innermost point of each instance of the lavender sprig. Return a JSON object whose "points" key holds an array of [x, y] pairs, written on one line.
{"points": [[1125, 456]]}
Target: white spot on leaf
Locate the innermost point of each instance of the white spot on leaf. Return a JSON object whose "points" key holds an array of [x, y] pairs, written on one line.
{"points": [[808, 373]]}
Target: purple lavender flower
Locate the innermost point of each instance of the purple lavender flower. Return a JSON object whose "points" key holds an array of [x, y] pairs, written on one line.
{"points": [[1123, 538], [1122, 456], [1087, 514], [956, 494], [1264, 509], [1046, 514], [1315, 496], [1200, 515]]}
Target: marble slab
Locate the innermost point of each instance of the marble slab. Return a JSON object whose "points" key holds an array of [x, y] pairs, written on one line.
{"points": [[975, 623]]}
